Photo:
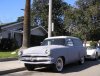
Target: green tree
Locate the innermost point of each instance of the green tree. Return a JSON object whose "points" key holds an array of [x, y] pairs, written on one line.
{"points": [[20, 19], [91, 16], [84, 19], [39, 14]]}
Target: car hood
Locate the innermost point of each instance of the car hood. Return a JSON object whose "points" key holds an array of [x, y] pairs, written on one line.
{"points": [[40, 50], [90, 51]]}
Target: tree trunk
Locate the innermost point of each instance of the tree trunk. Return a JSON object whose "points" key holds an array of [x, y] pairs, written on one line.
{"points": [[26, 26]]}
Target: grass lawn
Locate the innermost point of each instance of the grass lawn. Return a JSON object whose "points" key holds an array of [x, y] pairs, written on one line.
{"points": [[8, 54]]}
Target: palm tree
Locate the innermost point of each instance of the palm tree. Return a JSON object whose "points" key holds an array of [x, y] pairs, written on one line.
{"points": [[26, 26]]}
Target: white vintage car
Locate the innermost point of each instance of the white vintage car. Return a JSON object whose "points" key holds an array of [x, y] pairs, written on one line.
{"points": [[93, 52], [54, 51]]}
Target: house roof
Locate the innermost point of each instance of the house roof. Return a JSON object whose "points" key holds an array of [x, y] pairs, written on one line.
{"points": [[8, 24], [20, 30], [33, 30], [39, 27]]}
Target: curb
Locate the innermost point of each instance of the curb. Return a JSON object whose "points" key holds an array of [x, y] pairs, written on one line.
{"points": [[7, 59], [12, 71]]}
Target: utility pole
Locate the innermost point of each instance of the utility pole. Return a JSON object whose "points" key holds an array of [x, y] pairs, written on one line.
{"points": [[50, 19]]}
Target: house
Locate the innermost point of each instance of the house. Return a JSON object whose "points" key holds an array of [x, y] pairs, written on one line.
{"points": [[14, 32]]}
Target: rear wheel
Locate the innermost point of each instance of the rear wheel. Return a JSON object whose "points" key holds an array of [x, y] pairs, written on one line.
{"points": [[59, 65], [29, 67]]}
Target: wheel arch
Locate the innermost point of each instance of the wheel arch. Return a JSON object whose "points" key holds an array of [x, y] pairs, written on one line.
{"points": [[63, 59]]}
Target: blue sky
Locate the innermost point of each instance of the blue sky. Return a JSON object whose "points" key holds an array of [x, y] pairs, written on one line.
{"points": [[11, 9]]}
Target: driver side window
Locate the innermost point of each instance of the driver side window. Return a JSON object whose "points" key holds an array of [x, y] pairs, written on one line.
{"points": [[69, 42]]}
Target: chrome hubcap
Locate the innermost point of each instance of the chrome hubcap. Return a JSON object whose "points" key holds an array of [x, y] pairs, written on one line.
{"points": [[59, 64]]}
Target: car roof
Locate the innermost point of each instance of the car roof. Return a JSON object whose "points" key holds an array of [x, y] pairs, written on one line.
{"points": [[60, 37]]}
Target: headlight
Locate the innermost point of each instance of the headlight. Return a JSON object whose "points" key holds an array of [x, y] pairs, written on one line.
{"points": [[47, 52], [20, 53]]}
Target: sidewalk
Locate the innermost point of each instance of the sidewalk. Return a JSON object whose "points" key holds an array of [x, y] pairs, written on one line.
{"points": [[11, 66]]}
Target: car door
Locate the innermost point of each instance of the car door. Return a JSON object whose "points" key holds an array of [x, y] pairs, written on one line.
{"points": [[79, 49], [71, 50]]}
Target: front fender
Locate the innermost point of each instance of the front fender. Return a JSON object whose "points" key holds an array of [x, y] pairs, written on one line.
{"points": [[56, 53]]}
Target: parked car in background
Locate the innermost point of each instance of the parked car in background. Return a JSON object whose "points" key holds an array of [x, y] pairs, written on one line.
{"points": [[54, 51], [93, 52]]}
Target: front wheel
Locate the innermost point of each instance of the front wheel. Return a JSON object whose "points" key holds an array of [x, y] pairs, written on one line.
{"points": [[82, 60], [59, 65], [29, 67], [96, 56]]}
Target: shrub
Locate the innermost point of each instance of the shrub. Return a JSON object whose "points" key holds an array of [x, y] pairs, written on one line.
{"points": [[8, 44]]}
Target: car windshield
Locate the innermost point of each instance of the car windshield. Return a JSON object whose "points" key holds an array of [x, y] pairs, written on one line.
{"points": [[53, 42], [91, 47]]}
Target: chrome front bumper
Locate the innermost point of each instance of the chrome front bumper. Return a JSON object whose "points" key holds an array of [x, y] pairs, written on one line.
{"points": [[37, 60]]}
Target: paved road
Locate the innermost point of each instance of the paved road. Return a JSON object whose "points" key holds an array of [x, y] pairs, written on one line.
{"points": [[90, 68]]}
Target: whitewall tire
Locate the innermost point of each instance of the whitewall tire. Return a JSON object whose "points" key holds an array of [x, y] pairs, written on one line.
{"points": [[59, 65]]}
